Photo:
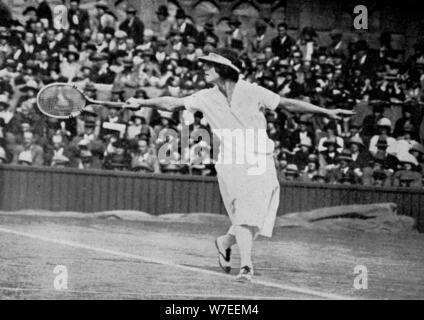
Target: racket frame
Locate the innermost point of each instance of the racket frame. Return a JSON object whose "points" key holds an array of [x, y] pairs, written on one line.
{"points": [[88, 101]]}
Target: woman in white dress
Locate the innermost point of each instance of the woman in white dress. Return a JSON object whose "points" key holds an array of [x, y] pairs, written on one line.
{"points": [[245, 167]]}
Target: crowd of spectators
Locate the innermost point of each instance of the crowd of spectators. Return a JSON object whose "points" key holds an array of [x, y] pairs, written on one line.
{"points": [[119, 56]]}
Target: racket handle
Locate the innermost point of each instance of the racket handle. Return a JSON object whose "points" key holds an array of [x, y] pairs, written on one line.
{"points": [[110, 104]]}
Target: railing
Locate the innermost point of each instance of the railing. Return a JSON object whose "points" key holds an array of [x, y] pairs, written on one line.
{"points": [[97, 190]]}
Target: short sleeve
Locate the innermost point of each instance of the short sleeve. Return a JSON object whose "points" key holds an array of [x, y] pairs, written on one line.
{"points": [[195, 102], [267, 98]]}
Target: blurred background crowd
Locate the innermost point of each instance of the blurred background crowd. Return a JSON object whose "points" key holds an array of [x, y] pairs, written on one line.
{"points": [[113, 57]]}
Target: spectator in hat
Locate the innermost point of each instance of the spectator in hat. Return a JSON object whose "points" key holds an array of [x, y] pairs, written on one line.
{"points": [[137, 123], [118, 159], [330, 130], [30, 13], [369, 124], [288, 86], [44, 13], [28, 152], [128, 77], [60, 161], [301, 133], [307, 43], [161, 53], [78, 18], [207, 32], [390, 161], [281, 45], [26, 50], [417, 150], [362, 59], [389, 88], [144, 159], [104, 19], [262, 38], [52, 44], [118, 43], [101, 69], [86, 160], [70, 67], [236, 37], [162, 27], [384, 126], [312, 168], [6, 15], [290, 173], [337, 45], [407, 119], [183, 26], [407, 176], [300, 157], [133, 26], [40, 40], [354, 130], [328, 157], [361, 159], [405, 141], [27, 101], [55, 147], [342, 172]]}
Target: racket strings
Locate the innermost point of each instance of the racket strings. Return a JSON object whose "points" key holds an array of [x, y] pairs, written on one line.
{"points": [[60, 100]]}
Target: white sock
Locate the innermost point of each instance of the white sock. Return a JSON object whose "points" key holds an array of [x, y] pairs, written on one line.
{"points": [[244, 237]]}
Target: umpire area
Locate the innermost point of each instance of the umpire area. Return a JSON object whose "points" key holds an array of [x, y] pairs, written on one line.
{"points": [[53, 257]]}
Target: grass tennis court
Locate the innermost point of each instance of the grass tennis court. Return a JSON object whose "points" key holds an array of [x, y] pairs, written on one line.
{"points": [[116, 259]]}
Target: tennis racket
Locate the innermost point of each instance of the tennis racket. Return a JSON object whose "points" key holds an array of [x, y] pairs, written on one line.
{"points": [[63, 101]]}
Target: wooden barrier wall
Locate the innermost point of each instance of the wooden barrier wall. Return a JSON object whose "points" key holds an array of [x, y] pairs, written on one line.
{"points": [[94, 190]]}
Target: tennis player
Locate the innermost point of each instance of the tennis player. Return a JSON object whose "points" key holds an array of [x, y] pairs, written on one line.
{"points": [[250, 194]]}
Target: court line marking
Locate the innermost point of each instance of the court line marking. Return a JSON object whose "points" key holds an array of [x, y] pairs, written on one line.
{"points": [[186, 295], [176, 265]]}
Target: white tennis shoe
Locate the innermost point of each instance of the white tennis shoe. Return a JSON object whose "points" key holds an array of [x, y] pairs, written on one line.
{"points": [[245, 275], [224, 255]]}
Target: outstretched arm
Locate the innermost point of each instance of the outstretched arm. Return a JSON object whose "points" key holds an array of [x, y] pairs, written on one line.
{"points": [[294, 105], [161, 103]]}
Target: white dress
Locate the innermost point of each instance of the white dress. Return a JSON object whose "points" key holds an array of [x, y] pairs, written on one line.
{"points": [[246, 172]]}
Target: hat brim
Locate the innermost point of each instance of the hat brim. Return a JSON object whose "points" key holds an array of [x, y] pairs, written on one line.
{"points": [[217, 59]]}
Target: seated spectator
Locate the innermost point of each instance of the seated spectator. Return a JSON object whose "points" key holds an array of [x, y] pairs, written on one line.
{"points": [[28, 152], [60, 161], [86, 160], [311, 170], [330, 136], [417, 150], [361, 160], [143, 159], [290, 173], [328, 157], [117, 158], [407, 176], [301, 156], [342, 172], [384, 127]]}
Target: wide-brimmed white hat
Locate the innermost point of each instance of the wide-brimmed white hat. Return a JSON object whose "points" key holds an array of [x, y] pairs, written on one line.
{"points": [[216, 58]]}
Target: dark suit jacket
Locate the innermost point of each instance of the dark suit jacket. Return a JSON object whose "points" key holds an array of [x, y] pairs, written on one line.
{"points": [[364, 160], [135, 30], [83, 19], [282, 50]]}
